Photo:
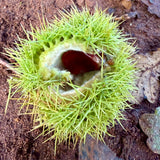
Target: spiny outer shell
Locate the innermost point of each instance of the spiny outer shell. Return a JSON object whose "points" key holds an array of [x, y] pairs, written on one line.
{"points": [[102, 102]]}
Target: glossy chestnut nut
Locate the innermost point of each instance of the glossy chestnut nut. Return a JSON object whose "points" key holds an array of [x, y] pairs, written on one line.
{"points": [[78, 62]]}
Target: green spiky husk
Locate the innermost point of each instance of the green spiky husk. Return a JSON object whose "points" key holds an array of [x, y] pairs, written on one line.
{"points": [[100, 104]]}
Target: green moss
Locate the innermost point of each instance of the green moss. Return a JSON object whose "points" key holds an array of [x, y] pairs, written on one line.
{"points": [[92, 108]]}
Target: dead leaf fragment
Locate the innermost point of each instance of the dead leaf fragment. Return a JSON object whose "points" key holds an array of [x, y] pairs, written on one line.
{"points": [[127, 4], [147, 82], [153, 6], [150, 124]]}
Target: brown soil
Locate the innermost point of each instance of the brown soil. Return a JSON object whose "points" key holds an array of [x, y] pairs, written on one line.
{"points": [[16, 142]]}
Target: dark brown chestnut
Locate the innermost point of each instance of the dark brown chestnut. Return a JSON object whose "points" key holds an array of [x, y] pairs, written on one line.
{"points": [[78, 62]]}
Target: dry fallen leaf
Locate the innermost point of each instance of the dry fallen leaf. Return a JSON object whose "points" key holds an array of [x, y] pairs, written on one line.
{"points": [[153, 6], [127, 4], [150, 124], [147, 77]]}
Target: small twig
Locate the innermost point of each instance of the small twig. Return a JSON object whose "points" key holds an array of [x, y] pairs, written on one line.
{"points": [[127, 16], [7, 65], [122, 18]]}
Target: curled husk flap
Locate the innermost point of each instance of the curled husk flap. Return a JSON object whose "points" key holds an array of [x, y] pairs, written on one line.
{"points": [[80, 100]]}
